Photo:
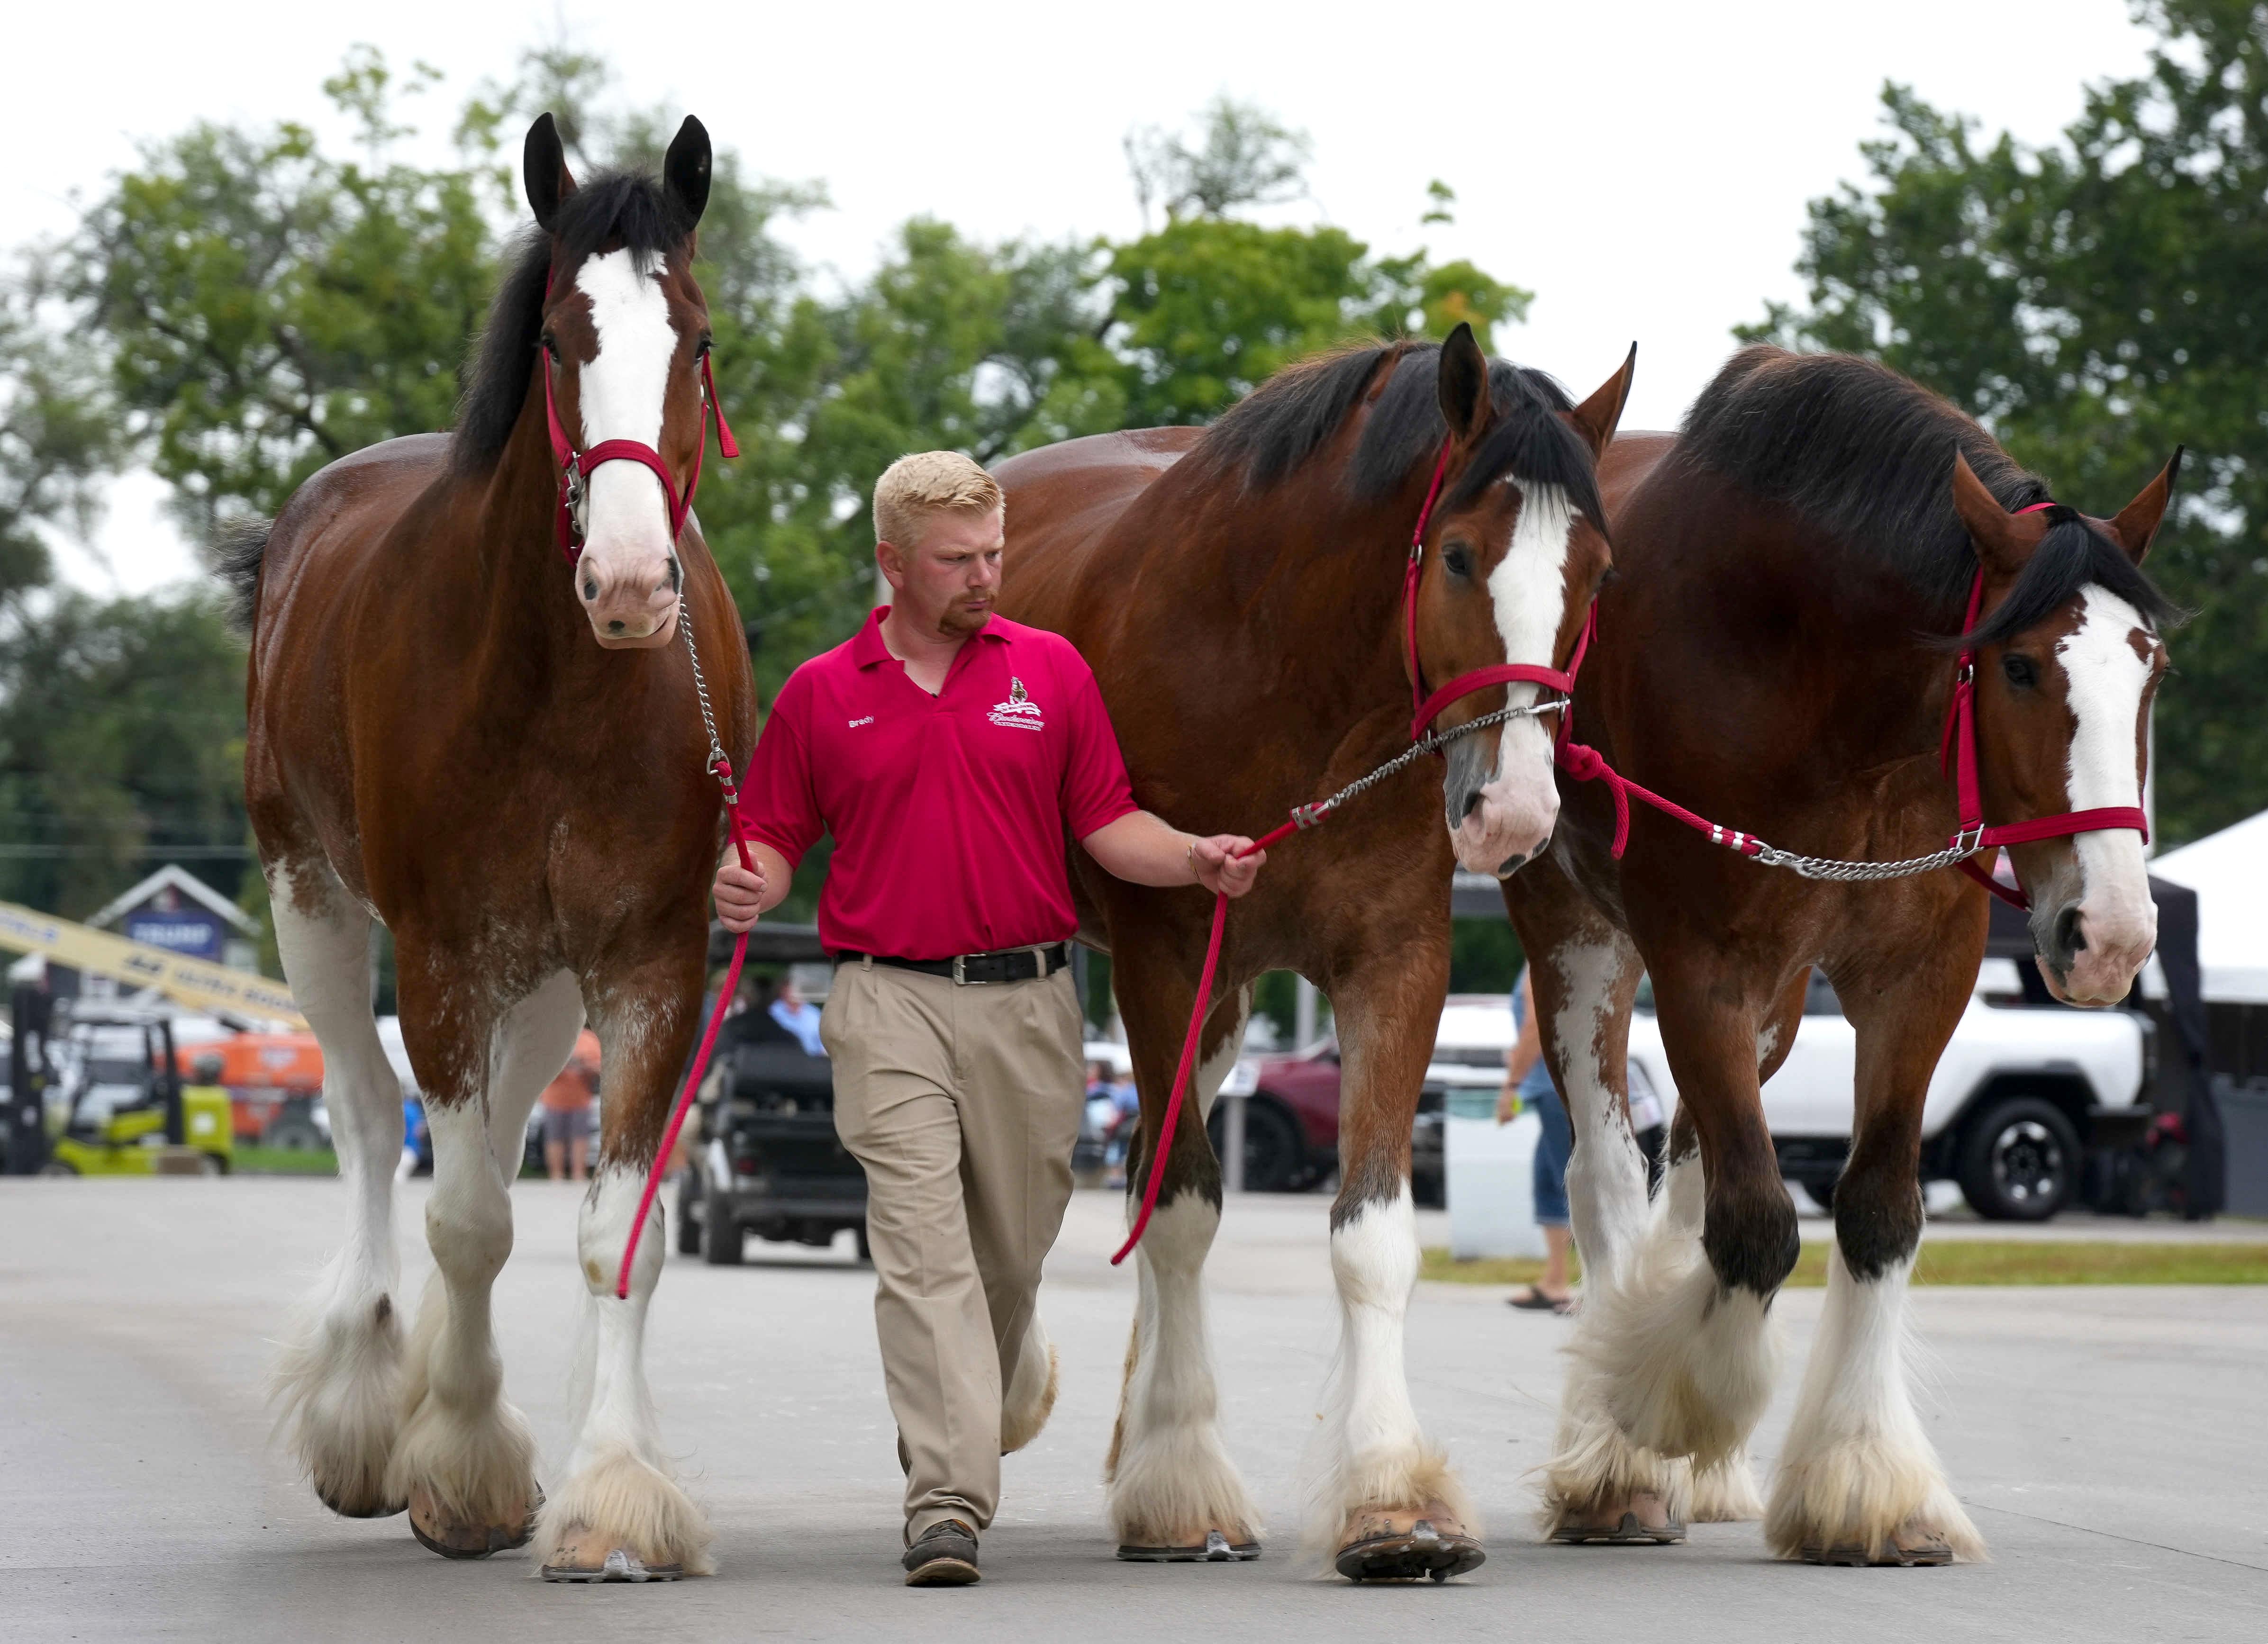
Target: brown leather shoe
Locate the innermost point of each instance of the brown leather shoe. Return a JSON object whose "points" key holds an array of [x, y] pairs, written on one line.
{"points": [[946, 1556]]}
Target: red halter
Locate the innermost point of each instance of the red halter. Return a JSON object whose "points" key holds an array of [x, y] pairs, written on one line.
{"points": [[575, 467], [1425, 709], [1958, 756]]}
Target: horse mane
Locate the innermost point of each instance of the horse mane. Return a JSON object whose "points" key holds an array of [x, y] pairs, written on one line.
{"points": [[626, 207], [1281, 425], [1866, 455]]}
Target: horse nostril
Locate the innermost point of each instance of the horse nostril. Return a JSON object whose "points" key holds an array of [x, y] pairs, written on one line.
{"points": [[676, 575], [1472, 802], [2069, 938], [590, 588], [614, 627], [1509, 866]]}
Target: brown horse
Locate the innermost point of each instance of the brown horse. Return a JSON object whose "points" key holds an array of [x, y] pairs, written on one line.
{"points": [[1777, 653], [502, 757], [1238, 593]]}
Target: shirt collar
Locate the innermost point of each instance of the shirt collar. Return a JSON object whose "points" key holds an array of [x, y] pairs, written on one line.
{"points": [[867, 648]]}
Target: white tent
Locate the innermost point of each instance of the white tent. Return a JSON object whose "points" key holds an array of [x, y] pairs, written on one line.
{"points": [[2229, 872]]}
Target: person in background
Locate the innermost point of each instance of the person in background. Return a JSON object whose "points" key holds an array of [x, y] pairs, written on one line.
{"points": [[567, 1119], [798, 1016], [1527, 1083]]}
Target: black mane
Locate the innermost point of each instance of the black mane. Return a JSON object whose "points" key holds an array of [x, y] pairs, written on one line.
{"points": [[1281, 424], [1867, 455], [617, 207]]}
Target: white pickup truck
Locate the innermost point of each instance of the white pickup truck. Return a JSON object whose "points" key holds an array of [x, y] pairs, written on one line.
{"points": [[2018, 1097]]}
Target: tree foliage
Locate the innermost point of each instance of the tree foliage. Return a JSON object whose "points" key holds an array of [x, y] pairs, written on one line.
{"points": [[2097, 301]]}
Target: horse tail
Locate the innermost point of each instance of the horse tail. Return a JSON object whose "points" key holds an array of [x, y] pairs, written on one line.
{"points": [[240, 546]]}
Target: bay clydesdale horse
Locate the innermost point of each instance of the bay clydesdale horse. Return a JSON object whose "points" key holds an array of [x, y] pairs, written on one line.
{"points": [[1776, 652], [1238, 592], [500, 754]]}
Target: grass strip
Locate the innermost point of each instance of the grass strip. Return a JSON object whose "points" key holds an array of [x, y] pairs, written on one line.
{"points": [[1975, 1262]]}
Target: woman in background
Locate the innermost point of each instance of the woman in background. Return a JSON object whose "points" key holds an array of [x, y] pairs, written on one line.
{"points": [[1527, 1083]]}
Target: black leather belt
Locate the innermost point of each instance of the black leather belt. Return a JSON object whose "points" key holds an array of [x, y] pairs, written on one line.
{"points": [[1010, 965]]}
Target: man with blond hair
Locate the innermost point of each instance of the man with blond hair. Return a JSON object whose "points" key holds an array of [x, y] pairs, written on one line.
{"points": [[951, 751]]}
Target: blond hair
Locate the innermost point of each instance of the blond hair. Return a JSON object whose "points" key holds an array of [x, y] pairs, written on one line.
{"points": [[914, 489]]}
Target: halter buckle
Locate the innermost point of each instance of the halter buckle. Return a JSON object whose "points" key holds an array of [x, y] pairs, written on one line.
{"points": [[1970, 841], [1308, 815], [575, 492], [1966, 673]]}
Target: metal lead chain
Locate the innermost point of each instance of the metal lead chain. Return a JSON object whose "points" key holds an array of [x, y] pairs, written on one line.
{"points": [[1963, 847], [1433, 742], [701, 688]]}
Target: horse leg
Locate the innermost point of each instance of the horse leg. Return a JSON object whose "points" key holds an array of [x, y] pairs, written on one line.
{"points": [[465, 1459], [1172, 1485], [1859, 1481], [1725, 1491], [621, 1516], [1599, 1486], [336, 1384], [1029, 1396], [1387, 1503], [1684, 1341]]}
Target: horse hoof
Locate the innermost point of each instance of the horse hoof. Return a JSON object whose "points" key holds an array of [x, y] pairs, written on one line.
{"points": [[348, 1507], [586, 1557], [1912, 1545], [1643, 1520], [1402, 1544], [437, 1534], [1218, 1547]]}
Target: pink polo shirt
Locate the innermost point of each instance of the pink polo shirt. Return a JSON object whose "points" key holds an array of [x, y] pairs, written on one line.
{"points": [[949, 812]]}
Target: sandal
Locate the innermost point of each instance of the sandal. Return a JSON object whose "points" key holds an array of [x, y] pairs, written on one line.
{"points": [[1535, 1302]]}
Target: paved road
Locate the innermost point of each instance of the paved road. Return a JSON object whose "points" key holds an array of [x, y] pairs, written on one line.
{"points": [[2112, 1444]]}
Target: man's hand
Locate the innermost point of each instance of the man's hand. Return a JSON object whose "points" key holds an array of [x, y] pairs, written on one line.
{"points": [[739, 894], [1220, 868], [1508, 1102]]}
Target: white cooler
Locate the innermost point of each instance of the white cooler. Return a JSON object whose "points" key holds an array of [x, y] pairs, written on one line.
{"points": [[1490, 1175]]}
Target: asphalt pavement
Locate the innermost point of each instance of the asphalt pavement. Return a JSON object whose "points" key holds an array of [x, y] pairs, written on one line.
{"points": [[2112, 1444]]}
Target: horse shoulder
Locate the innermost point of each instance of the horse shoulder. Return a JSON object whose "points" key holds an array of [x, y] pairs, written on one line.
{"points": [[1064, 500]]}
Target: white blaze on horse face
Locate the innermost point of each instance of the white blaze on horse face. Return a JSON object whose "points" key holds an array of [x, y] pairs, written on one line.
{"points": [[625, 576], [2105, 676], [1520, 803]]}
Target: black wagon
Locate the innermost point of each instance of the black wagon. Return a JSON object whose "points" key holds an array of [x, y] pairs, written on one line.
{"points": [[766, 1159]]}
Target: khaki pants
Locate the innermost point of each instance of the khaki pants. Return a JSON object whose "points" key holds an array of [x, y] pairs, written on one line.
{"points": [[963, 1103]]}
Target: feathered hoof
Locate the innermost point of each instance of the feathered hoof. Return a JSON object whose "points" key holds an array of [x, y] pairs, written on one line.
{"points": [[371, 1503], [1640, 1518], [1912, 1545], [585, 1557], [436, 1532], [1406, 1543]]}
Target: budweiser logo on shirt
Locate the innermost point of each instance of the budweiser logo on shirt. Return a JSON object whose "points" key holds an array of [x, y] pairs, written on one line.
{"points": [[1019, 712]]}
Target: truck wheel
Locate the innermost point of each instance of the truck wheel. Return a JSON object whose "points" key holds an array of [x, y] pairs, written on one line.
{"points": [[722, 1238], [1272, 1153], [688, 1213], [2021, 1161]]}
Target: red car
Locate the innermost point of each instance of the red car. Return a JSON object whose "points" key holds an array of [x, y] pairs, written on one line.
{"points": [[1291, 1121]]}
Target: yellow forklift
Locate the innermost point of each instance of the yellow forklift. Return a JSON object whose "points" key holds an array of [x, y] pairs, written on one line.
{"points": [[126, 1111]]}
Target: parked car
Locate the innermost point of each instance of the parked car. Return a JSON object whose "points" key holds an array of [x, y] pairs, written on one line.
{"points": [[2021, 1096]]}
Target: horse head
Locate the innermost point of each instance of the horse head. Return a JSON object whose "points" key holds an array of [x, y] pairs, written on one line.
{"points": [[1512, 558], [624, 339], [2068, 658]]}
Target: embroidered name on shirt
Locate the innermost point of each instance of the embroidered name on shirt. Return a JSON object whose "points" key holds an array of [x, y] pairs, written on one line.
{"points": [[856, 722], [1019, 712]]}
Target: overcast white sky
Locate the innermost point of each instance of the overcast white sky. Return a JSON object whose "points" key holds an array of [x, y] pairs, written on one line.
{"points": [[1641, 166]]}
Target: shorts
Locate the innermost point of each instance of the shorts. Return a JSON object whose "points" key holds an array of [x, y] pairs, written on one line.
{"points": [[564, 1125], [1552, 1147]]}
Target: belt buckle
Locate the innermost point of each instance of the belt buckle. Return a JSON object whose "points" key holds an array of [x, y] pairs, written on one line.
{"points": [[960, 970]]}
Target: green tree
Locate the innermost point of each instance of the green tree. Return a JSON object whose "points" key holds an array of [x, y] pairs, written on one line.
{"points": [[122, 747], [2096, 302], [58, 431], [269, 307]]}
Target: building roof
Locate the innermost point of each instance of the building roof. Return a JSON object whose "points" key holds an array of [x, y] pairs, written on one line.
{"points": [[189, 885]]}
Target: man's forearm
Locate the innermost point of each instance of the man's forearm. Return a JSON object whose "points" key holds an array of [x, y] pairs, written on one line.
{"points": [[1144, 849]]}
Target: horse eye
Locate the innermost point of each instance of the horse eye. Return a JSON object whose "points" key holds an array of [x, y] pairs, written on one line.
{"points": [[2020, 670], [1459, 560], [550, 344]]}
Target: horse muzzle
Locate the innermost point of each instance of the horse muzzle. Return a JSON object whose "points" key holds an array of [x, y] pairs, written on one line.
{"points": [[631, 598], [2094, 937]]}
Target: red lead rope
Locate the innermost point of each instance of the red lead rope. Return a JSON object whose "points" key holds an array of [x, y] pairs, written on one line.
{"points": [[724, 774]]}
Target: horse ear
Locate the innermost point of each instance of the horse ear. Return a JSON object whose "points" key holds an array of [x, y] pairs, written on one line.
{"points": [[2138, 521], [1597, 417], [685, 173], [1464, 384], [2003, 540], [544, 168]]}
